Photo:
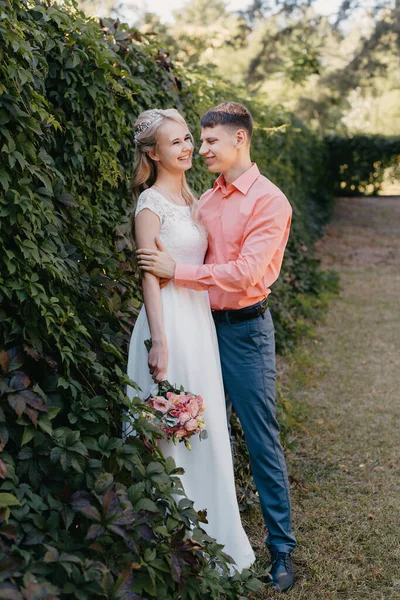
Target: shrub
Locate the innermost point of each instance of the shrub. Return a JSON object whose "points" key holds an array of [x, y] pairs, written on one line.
{"points": [[357, 164]]}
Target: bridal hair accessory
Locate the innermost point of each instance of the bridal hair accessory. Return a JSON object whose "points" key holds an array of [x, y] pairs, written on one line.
{"points": [[144, 125]]}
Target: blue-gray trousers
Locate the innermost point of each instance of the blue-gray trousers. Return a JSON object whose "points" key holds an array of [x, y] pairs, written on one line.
{"points": [[247, 352]]}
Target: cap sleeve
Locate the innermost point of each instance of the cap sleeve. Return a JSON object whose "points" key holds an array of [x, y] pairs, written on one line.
{"points": [[152, 201]]}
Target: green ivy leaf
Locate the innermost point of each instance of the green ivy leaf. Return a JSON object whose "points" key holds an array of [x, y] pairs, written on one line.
{"points": [[146, 504], [7, 499]]}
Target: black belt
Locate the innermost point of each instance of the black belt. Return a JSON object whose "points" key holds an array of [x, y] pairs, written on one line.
{"points": [[243, 314]]}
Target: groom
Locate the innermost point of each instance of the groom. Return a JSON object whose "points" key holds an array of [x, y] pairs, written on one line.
{"points": [[248, 219]]}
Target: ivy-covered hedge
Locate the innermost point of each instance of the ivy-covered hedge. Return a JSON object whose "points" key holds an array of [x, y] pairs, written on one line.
{"points": [[84, 514], [358, 164]]}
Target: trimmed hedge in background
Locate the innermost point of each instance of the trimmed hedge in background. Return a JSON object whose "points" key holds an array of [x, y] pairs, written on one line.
{"points": [[84, 514], [357, 164]]}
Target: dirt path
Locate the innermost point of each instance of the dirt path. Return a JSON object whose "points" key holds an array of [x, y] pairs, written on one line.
{"points": [[346, 473]]}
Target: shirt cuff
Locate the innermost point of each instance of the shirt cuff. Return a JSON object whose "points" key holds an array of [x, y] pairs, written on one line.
{"points": [[185, 275]]}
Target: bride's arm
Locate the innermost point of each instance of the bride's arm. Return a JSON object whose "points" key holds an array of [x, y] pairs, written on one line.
{"points": [[147, 228]]}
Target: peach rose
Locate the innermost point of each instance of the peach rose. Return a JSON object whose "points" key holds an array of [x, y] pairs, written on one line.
{"points": [[191, 425], [175, 398], [199, 400], [181, 433]]}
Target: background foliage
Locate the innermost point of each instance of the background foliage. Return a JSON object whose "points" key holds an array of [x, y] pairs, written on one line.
{"points": [[359, 164], [339, 72]]}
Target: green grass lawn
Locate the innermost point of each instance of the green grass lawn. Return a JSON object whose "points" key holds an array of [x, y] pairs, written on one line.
{"points": [[346, 382]]}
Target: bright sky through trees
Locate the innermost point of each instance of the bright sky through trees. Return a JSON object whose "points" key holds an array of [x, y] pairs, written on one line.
{"points": [[165, 8]]}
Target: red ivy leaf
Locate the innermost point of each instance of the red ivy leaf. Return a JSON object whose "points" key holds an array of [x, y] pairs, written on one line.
{"points": [[32, 414], [202, 516], [125, 518], [110, 502], [31, 352], [10, 591], [52, 555], [41, 590], [80, 499], [94, 531], [176, 569], [81, 502], [51, 362], [3, 437], [17, 402], [34, 400], [9, 532], [146, 532], [20, 381], [121, 532], [3, 469], [90, 512], [17, 360], [4, 361]]}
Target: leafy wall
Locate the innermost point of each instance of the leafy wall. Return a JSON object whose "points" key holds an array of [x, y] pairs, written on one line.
{"points": [[84, 514]]}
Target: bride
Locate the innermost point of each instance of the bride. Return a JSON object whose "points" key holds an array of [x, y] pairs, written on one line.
{"points": [[179, 321]]}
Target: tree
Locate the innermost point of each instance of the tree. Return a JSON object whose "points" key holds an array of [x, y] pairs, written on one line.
{"points": [[283, 51]]}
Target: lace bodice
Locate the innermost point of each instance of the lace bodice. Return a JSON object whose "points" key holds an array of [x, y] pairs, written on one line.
{"points": [[185, 240]]}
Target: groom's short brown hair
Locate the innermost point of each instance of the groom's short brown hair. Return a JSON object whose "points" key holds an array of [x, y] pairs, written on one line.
{"points": [[229, 113]]}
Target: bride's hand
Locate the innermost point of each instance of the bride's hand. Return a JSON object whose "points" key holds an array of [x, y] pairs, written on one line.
{"points": [[158, 360]]}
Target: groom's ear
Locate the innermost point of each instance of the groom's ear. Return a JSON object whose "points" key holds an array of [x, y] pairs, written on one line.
{"points": [[241, 138]]}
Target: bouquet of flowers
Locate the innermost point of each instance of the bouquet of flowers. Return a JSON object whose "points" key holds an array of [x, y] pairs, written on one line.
{"points": [[177, 413]]}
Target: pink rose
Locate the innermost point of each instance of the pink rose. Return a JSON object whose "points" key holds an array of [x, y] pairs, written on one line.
{"points": [[199, 400], [191, 425], [185, 398], [161, 404], [184, 417], [193, 407]]}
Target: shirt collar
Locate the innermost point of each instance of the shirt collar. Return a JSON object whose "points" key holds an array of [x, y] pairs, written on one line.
{"points": [[243, 183]]}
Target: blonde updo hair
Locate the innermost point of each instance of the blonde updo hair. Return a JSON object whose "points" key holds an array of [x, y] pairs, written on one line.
{"points": [[145, 135]]}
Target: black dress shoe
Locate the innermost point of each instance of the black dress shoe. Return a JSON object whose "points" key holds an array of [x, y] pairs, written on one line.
{"points": [[281, 575]]}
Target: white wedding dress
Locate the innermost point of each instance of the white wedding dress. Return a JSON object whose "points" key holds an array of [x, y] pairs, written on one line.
{"points": [[194, 363]]}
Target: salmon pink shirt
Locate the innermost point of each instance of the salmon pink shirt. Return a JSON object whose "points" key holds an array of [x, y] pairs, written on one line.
{"points": [[248, 224]]}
